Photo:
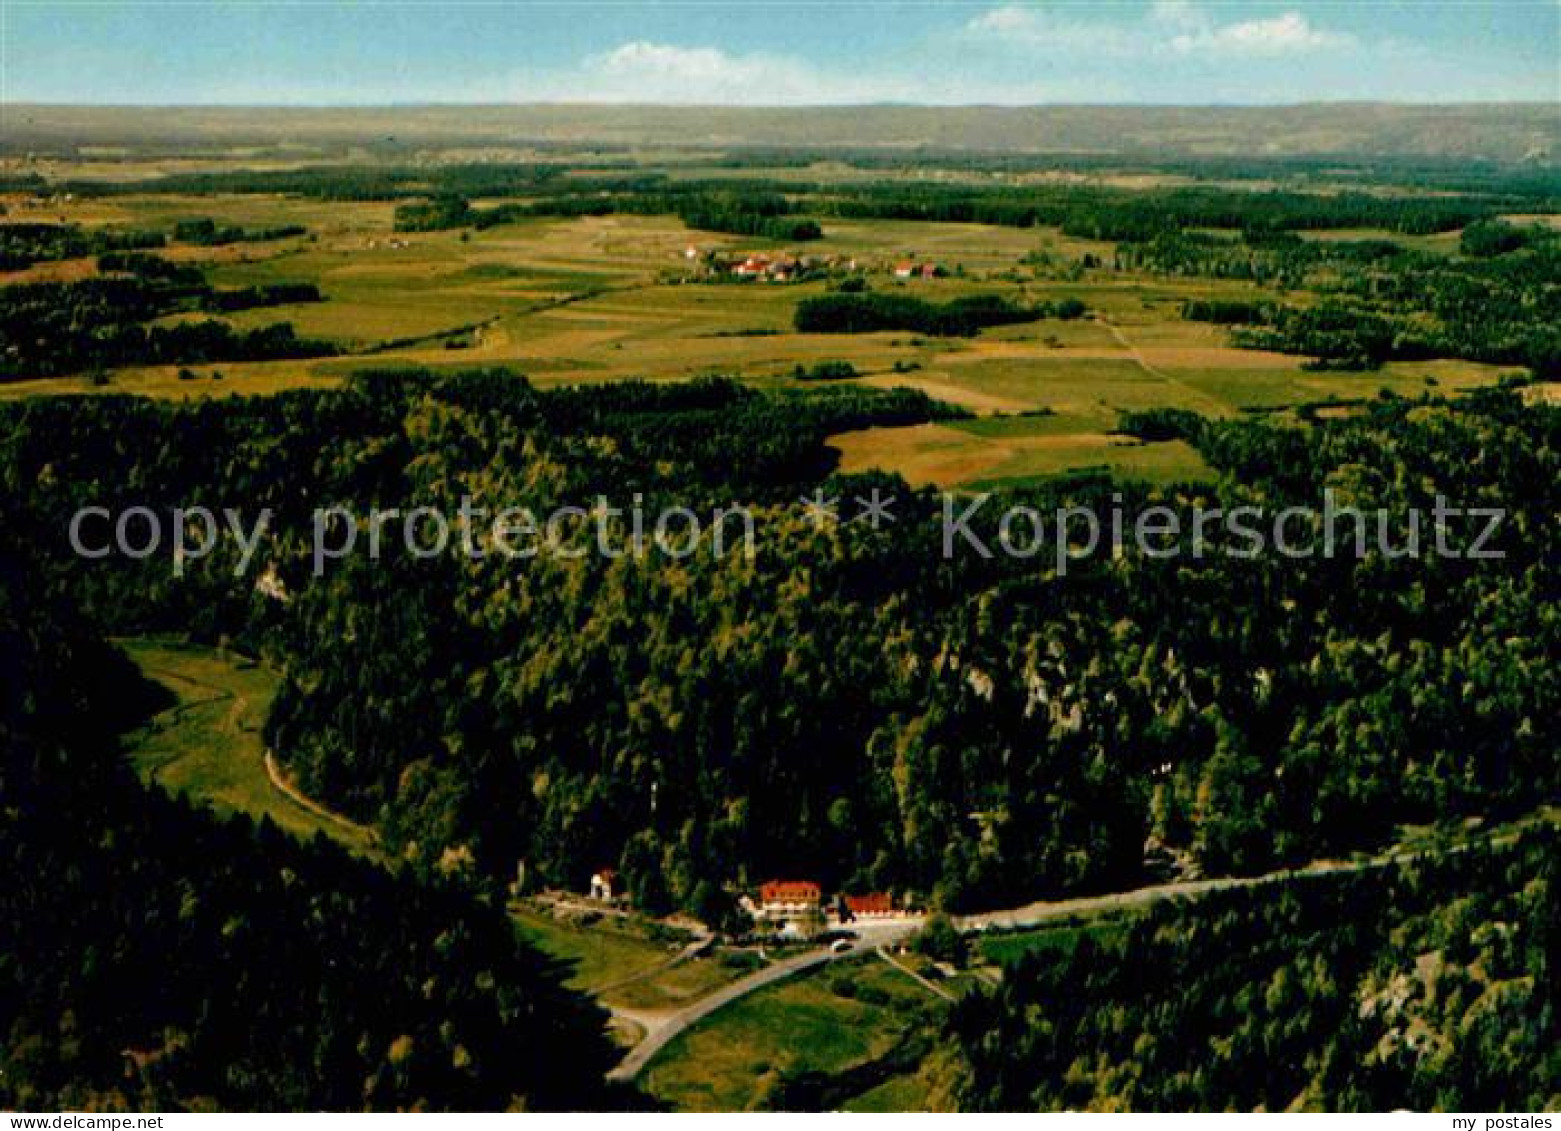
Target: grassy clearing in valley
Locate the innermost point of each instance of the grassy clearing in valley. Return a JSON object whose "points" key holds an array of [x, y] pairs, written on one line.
{"points": [[828, 1021], [903, 1092], [679, 985], [621, 964], [208, 746], [601, 954]]}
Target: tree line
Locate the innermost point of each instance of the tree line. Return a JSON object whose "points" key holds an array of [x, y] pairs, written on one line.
{"points": [[48, 329], [23, 244], [749, 213], [202, 231], [865, 312]]}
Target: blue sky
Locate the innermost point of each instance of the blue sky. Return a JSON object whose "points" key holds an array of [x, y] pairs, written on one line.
{"points": [[797, 52]]}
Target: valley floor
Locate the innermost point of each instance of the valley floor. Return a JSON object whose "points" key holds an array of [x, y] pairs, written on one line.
{"points": [[705, 1027]]}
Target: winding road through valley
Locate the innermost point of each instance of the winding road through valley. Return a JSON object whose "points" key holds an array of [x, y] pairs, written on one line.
{"points": [[662, 1027]]}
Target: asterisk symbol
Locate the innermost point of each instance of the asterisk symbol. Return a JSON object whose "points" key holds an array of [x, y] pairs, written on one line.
{"points": [[875, 508], [820, 509]]}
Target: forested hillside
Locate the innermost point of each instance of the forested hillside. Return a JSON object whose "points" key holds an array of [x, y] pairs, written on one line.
{"points": [[849, 703], [153, 958], [1430, 986]]}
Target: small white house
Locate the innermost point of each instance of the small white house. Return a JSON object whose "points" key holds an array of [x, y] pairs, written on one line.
{"points": [[604, 885]]}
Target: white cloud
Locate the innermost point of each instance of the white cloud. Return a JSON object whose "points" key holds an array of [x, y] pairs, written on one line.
{"points": [[684, 73], [1288, 34], [644, 71], [1008, 54], [1040, 29], [1171, 27], [1011, 20]]}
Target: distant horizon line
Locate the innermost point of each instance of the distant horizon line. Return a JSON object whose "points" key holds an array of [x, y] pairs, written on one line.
{"points": [[433, 104]]}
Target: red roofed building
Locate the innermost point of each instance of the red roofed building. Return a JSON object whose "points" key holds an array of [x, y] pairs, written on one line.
{"points": [[793, 907], [873, 905], [790, 892]]}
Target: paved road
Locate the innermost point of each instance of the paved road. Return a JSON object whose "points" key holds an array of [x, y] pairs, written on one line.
{"points": [[661, 1028], [1044, 911]]}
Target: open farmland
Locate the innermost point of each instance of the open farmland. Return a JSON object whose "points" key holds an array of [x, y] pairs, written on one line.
{"points": [[602, 298]]}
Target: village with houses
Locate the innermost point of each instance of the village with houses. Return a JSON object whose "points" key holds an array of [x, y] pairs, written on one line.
{"points": [[713, 264]]}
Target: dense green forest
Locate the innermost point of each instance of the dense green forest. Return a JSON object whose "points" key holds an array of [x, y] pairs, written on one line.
{"points": [[849, 703], [860, 312], [1440, 197], [54, 328], [773, 208], [1429, 985], [23, 244], [206, 232], [154, 958], [766, 215], [1370, 301]]}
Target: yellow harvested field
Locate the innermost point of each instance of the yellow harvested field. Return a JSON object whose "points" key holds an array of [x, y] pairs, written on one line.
{"points": [[942, 455]]}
